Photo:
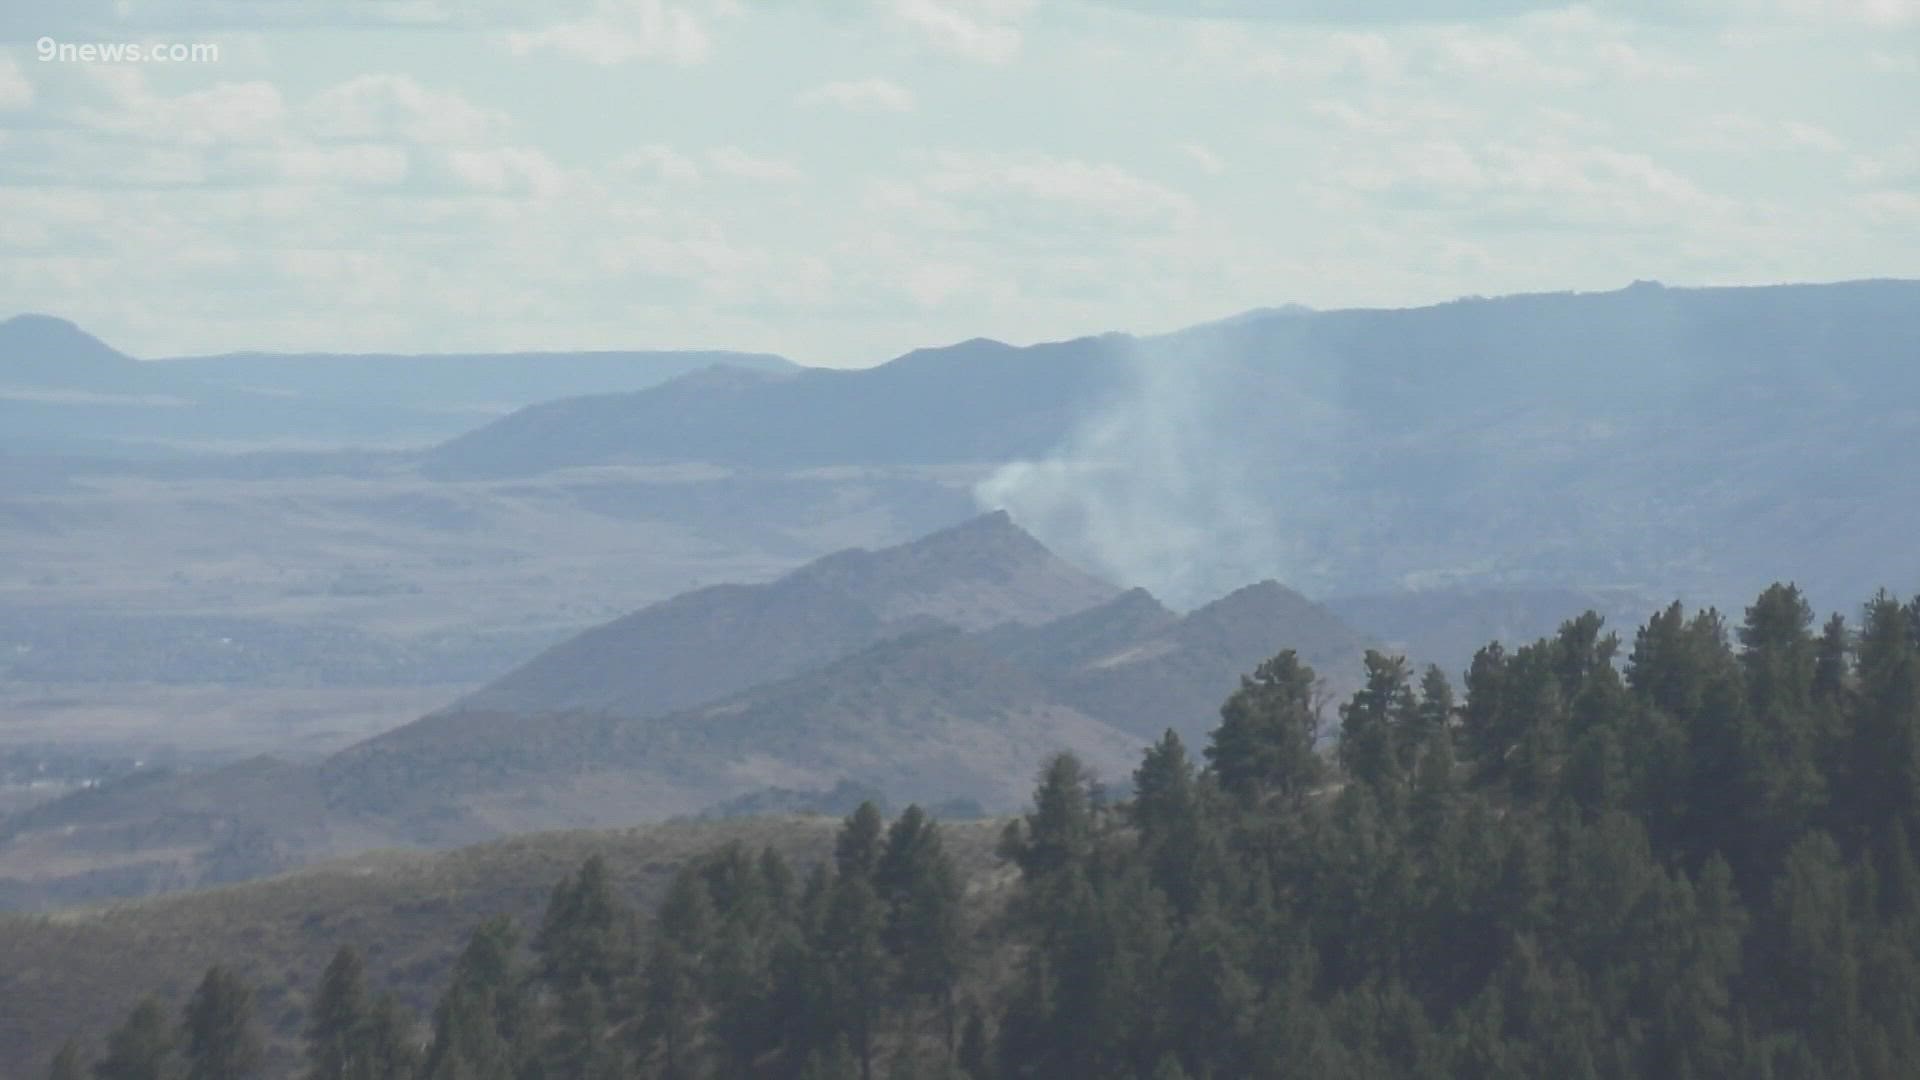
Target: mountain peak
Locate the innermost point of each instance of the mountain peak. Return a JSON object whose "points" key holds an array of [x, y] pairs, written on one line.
{"points": [[979, 573], [994, 525], [46, 340]]}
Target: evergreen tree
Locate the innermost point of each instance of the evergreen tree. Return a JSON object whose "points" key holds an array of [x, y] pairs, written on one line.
{"points": [[1376, 730], [1883, 781], [1566, 872], [586, 935], [975, 1056], [1783, 787], [387, 1047], [1059, 833], [142, 1048], [1171, 810], [836, 1062], [923, 932], [480, 1025], [1486, 723], [856, 850], [1832, 660], [1265, 742], [1436, 710], [66, 1063], [853, 947], [337, 1021], [673, 995], [221, 1040]]}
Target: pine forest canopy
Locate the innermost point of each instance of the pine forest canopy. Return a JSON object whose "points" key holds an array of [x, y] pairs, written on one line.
{"points": [[1690, 855]]}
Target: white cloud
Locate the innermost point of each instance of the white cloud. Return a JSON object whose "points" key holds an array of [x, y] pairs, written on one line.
{"points": [[16, 90], [224, 113], [932, 284], [508, 170], [1900, 207], [1897, 164], [1813, 137], [398, 107], [1745, 133], [358, 164], [1543, 184], [735, 162], [619, 31], [1381, 116], [986, 31], [861, 95], [1871, 12], [1100, 190], [657, 162], [1503, 58], [1202, 156]]}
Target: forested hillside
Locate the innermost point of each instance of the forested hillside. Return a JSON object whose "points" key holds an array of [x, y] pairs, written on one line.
{"points": [[1687, 855]]}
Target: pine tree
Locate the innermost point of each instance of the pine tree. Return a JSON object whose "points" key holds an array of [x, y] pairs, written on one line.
{"points": [[1059, 833], [921, 890], [222, 1041], [388, 1049], [586, 934], [1176, 837], [1375, 726], [1486, 723], [1169, 1069], [66, 1063], [856, 850], [479, 1029], [1265, 742], [673, 994], [1436, 710], [337, 1021], [578, 1046], [975, 1055], [1883, 781], [853, 948], [836, 1062], [142, 1048], [1783, 787]]}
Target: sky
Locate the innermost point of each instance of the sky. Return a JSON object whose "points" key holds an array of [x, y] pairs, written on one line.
{"points": [[840, 181]]}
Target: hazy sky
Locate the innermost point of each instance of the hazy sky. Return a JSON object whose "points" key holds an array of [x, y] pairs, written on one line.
{"points": [[841, 180]]}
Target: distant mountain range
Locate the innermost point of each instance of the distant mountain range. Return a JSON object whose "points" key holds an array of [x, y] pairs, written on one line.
{"points": [[63, 390], [1568, 440], [1446, 474], [943, 671], [1561, 440], [713, 641], [977, 401], [1396, 372]]}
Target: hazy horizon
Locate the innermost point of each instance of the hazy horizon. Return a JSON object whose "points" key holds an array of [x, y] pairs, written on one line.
{"points": [[843, 183], [1043, 339]]}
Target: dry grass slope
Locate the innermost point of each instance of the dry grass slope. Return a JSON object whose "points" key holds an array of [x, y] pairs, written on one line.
{"points": [[80, 972]]}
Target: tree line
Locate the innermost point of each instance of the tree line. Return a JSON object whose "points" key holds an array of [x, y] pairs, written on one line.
{"points": [[1692, 860]]}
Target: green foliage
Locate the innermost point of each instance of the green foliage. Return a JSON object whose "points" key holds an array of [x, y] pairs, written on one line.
{"points": [[66, 1063], [142, 1048], [1698, 865], [337, 1021], [1265, 742], [480, 1027], [221, 1039]]}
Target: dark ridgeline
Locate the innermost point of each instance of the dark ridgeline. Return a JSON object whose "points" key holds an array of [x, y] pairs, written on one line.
{"points": [[1691, 860]]}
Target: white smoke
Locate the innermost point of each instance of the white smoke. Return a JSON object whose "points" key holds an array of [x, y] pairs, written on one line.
{"points": [[1181, 485]]}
